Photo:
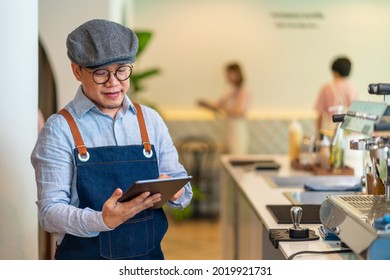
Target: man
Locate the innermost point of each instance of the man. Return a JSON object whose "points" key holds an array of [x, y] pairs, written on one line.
{"points": [[96, 147], [335, 96]]}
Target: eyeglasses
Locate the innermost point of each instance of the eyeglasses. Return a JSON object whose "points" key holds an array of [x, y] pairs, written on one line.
{"points": [[101, 76]]}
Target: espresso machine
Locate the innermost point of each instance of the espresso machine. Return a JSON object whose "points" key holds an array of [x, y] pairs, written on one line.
{"points": [[362, 222]]}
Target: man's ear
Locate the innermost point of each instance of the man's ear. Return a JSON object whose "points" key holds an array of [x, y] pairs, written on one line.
{"points": [[76, 71]]}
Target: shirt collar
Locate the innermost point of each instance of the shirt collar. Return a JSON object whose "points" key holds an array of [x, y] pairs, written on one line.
{"points": [[83, 104]]}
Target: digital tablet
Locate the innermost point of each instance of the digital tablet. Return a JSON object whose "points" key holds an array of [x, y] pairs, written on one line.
{"points": [[167, 187]]}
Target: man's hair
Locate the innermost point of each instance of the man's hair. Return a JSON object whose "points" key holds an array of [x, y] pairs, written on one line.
{"points": [[342, 66], [235, 67]]}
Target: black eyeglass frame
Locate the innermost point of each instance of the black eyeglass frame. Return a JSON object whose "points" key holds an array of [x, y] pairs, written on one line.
{"points": [[130, 66]]}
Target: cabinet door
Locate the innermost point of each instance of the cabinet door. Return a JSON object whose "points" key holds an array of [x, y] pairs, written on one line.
{"points": [[249, 234], [228, 216]]}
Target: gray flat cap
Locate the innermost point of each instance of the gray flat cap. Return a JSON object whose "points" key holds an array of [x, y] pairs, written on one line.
{"points": [[100, 42]]}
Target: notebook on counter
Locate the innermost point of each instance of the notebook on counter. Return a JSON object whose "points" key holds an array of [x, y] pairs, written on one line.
{"points": [[310, 213]]}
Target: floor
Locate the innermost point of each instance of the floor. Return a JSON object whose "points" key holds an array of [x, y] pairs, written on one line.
{"points": [[193, 239]]}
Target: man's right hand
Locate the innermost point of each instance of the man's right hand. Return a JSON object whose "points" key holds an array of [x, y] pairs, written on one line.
{"points": [[115, 213]]}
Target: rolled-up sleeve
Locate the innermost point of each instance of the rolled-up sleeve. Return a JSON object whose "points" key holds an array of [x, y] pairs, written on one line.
{"points": [[168, 160], [53, 162]]}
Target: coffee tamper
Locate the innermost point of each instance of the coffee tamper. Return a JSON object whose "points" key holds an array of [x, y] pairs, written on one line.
{"points": [[296, 231]]}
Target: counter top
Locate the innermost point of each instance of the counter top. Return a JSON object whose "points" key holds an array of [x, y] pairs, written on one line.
{"points": [[259, 191]]}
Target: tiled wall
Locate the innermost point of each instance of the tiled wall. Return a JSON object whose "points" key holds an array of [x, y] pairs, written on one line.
{"points": [[267, 136]]}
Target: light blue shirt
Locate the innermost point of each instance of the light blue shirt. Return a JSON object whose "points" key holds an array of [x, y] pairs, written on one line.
{"points": [[54, 164]]}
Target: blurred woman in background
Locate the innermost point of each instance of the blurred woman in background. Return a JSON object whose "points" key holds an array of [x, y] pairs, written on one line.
{"points": [[233, 106]]}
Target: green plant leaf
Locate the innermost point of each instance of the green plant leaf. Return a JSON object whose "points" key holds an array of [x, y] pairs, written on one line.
{"points": [[146, 73], [144, 37], [137, 78], [196, 193], [143, 40], [182, 214]]}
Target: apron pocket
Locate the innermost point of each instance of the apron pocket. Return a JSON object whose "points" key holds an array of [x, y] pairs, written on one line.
{"points": [[134, 238]]}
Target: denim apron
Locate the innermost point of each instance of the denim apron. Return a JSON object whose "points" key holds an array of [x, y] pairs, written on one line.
{"points": [[100, 170]]}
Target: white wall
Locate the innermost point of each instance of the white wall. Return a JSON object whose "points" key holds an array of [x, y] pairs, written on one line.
{"points": [[285, 67], [286, 60], [56, 20], [18, 112]]}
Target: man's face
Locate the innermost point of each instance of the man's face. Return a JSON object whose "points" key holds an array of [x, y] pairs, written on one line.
{"points": [[107, 96], [232, 76]]}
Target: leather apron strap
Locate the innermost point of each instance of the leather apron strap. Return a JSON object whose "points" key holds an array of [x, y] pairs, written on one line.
{"points": [[142, 127], [82, 149]]}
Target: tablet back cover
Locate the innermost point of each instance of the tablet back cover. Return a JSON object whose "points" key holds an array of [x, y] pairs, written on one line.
{"points": [[167, 187]]}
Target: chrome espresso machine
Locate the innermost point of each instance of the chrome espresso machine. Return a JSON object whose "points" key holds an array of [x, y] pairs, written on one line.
{"points": [[362, 222]]}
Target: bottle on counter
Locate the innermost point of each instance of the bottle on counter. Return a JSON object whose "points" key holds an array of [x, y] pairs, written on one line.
{"points": [[324, 151], [295, 137], [336, 160]]}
